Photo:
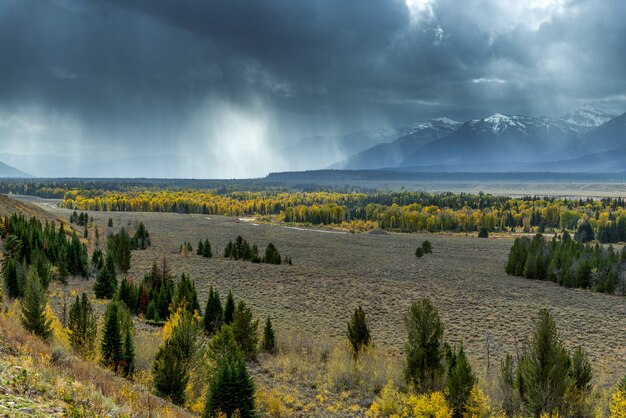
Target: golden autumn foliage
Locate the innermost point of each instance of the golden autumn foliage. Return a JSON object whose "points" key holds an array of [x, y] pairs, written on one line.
{"points": [[394, 403], [401, 211], [618, 404], [477, 405]]}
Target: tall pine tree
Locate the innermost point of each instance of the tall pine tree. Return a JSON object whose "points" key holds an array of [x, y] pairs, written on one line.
{"points": [[213, 314], [33, 307], [111, 347], [358, 331], [82, 327], [245, 330], [229, 308], [128, 357], [268, 342], [231, 392]]}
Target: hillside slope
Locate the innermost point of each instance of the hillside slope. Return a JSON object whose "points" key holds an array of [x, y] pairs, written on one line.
{"points": [[6, 171], [38, 380], [609, 136]]}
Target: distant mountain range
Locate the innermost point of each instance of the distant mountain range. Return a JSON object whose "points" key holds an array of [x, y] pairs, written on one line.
{"points": [[393, 153], [6, 171], [501, 143], [321, 151], [584, 141], [589, 118]]}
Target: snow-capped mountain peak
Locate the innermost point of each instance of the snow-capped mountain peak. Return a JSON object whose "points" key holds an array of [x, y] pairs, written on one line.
{"points": [[589, 117], [500, 121], [446, 121]]}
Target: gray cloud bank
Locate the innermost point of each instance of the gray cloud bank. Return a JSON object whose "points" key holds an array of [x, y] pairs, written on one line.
{"points": [[225, 85]]}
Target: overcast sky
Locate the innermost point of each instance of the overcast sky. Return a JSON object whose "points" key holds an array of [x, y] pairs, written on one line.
{"points": [[225, 84]]}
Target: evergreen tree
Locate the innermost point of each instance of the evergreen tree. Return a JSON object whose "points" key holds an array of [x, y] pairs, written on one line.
{"points": [[33, 307], [419, 252], [111, 346], [229, 308], [245, 330], [83, 327], [128, 357], [543, 368], [63, 264], [459, 382], [584, 233], [110, 223], [39, 261], [106, 281], [123, 292], [151, 311], [506, 383], [186, 295], [207, 252], [14, 277], [200, 250], [483, 233], [272, 256], [213, 314], [173, 359], [423, 347], [163, 301], [358, 331], [268, 343], [141, 239], [580, 370], [231, 392], [97, 260], [222, 346], [185, 334], [229, 251], [122, 251], [170, 372], [427, 247]]}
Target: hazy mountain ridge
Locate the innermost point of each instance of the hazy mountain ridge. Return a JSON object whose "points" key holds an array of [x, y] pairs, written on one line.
{"points": [[589, 117], [608, 136], [393, 153], [7, 171], [332, 150]]}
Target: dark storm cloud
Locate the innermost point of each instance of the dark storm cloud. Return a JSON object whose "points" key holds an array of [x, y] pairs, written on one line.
{"points": [[163, 73]]}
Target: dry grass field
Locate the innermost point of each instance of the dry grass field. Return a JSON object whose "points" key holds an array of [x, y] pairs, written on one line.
{"points": [[334, 272], [311, 301]]}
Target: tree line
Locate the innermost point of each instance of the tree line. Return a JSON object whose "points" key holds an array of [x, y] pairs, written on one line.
{"points": [[398, 211], [568, 262]]}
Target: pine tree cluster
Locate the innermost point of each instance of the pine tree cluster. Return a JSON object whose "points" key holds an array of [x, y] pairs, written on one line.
{"points": [[185, 249], [119, 246], [156, 296], [28, 241], [548, 379], [151, 297], [141, 239], [567, 262], [204, 249], [241, 250], [81, 219], [117, 346]]}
